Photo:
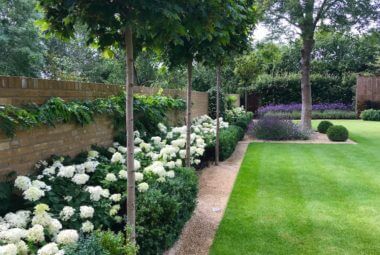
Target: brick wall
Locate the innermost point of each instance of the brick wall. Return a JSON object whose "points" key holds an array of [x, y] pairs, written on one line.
{"points": [[367, 89], [27, 147], [21, 90]]}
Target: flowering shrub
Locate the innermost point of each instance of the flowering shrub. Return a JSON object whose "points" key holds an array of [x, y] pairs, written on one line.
{"points": [[34, 232], [297, 107], [76, 197], [320, 111], [239, 117], [272, 128]]}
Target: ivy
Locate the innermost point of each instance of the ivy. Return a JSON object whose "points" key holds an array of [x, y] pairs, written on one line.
{"points": [[149, 110]]}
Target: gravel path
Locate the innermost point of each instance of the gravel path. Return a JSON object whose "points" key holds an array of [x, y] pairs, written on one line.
{"points": [[215, 186]]}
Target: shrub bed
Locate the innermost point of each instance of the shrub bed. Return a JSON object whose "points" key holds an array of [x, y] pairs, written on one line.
{"points": [[337, 133], [371, 115], [70, 198], [273, 128]]}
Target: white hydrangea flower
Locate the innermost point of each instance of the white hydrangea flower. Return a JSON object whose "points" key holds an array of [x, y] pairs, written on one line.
{"points": [[66, 213], [123, 174], [197, 161], [161, 179], [178, 163], [86, 212], [143, 187], [23, 183], [145, 146], [105, 193], [182, 154], [87, 227], [114, 210], [95, 192], [179, 143], [43, 219], [111, 150], [49, 171], [122, 149], [117, 157], [156, 140], [93, 154], [13, 235], [111, 177], [170, 164], [139, 176], [19, 219], [8, 249], [67, 236], [156, 167], [80, 179], [170, 174], [36, 234], [54, 227], [90, 166], [137, 164], [80, 169], [138, 140], [162, 127], [66, 171], [22, 248], [48, 249], [33, 194], [115, 197]]}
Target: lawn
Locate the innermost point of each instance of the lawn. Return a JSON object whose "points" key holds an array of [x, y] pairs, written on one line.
{"points": [[306, 199]]}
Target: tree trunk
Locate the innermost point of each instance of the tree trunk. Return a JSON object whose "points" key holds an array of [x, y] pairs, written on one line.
{"points": [[246, 99], [217, 114], [131, 199], [188, 111], [305, 84]]}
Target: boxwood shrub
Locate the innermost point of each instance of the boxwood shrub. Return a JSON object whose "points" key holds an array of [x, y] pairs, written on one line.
{"points": [[337, 133], [163, 210], [371, 114], [229, 137], [324, 126]]}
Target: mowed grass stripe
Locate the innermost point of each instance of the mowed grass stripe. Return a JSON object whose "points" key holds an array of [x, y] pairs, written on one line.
{"points": [[333, 208], [306, 199], [267, 208]]}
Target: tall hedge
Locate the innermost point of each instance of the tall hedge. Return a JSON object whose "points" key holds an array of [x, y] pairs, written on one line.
{"points": [[285, 89]]}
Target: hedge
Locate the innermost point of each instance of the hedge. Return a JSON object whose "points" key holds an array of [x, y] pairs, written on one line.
{"points": [[286, 89]]}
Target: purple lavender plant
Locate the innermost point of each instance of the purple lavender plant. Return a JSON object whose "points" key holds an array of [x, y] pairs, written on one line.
{"points": [[297, 107]]}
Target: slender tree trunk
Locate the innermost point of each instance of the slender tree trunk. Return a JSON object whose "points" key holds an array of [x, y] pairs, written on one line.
{"points": [[245, 99], [305, 83], [131, 199], [217, 114], [188, 112]]}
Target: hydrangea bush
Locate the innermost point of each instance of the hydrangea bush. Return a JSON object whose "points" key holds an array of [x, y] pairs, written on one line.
{"points": [[73, 199]]}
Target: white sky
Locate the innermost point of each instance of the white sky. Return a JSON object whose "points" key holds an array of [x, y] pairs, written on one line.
{"points": [[260, 33]]}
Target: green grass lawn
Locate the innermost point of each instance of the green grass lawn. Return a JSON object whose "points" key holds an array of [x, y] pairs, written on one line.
{"points": [[306, 199]]}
